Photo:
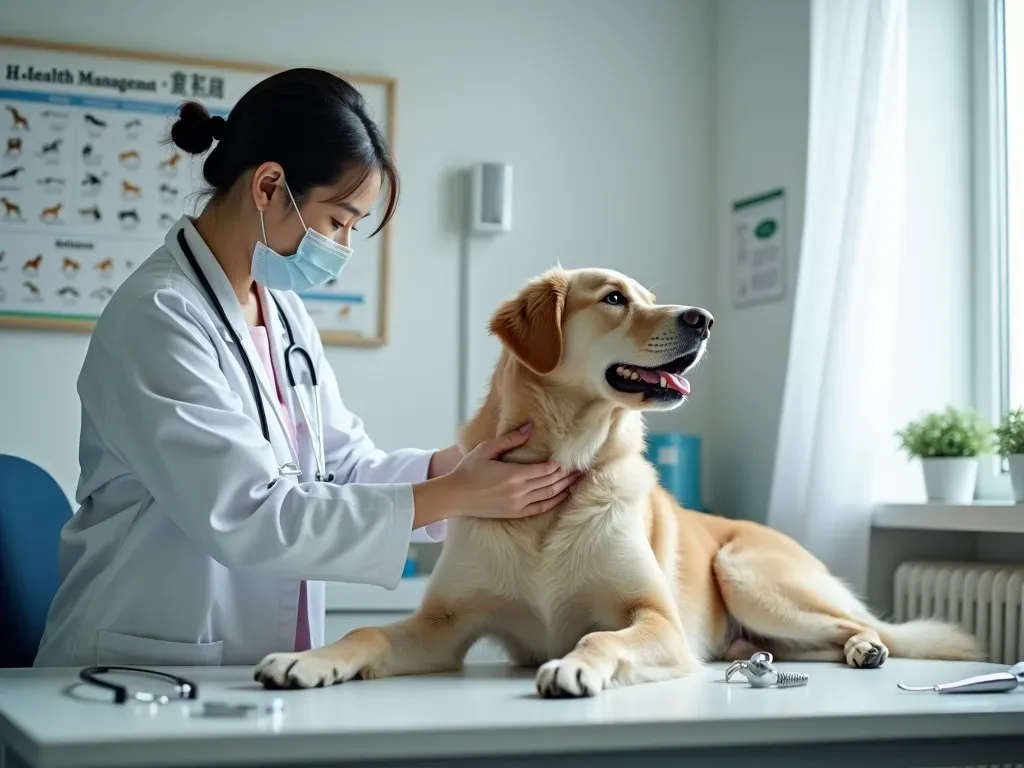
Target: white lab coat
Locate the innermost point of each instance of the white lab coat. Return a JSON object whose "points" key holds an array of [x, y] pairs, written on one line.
{"points": [[188, 547]]}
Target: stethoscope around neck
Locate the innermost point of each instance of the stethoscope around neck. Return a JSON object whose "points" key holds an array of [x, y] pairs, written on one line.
{"points": [[315, 425]]}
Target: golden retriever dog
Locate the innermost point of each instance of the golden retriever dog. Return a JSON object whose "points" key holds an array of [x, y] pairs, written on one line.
{"points": [[619, 585]]}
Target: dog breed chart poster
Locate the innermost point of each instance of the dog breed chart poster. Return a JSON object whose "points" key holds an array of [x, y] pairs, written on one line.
{"points": [[89, 184]]}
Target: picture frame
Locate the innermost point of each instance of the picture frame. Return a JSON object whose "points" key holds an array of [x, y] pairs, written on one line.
{"points": [[67, 112]]}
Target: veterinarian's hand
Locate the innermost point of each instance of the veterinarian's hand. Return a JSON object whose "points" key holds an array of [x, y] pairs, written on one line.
{"points": [[487, 487]]}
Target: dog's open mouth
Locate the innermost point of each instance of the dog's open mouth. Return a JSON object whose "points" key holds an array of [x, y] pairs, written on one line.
{"points": [[663, 383]]}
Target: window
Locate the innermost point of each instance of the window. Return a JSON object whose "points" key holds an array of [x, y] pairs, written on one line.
{"points": [[999, 219], [1014, 95]]}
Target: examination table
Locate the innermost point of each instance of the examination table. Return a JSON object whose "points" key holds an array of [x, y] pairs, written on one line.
{"points": [[488, 715]]}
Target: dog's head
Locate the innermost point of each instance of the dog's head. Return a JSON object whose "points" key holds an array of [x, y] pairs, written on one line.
{"points": [[602, 332]]}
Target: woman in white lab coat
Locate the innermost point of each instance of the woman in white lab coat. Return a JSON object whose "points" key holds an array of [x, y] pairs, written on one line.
{"points": [[209, 517]]}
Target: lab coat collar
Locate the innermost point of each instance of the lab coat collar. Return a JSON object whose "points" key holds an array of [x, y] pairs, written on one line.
{"points": [[233, 311], [211, 269]]}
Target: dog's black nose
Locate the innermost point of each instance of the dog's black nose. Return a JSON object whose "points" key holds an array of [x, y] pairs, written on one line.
{"points": [[699, 319]]}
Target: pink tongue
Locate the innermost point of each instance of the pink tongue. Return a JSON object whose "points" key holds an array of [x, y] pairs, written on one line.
{"points": [[678, 383]]}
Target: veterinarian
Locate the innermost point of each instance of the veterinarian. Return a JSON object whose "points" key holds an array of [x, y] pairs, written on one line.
{"points": [[215, 496]]}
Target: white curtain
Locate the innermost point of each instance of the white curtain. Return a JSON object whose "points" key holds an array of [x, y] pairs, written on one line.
{"points": [[833, 425]]}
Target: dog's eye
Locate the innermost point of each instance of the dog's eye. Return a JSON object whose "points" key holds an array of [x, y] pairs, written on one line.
{"points": [[615, 298]]}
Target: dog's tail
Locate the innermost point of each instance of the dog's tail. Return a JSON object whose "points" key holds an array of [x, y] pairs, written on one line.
{"points": [[930, 639]]}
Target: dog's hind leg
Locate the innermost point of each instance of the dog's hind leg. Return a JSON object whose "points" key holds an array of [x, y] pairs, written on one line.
{"points": [[434, 639], [781, 593], [776, 596]]}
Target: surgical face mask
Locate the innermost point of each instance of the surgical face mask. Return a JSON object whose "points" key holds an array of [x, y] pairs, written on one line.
{"points": [[317, 260]]}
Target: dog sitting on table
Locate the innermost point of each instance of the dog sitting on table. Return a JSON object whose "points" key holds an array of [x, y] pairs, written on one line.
{"points": [[619, 585]]}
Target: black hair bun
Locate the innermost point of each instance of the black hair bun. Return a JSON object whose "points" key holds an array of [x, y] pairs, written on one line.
{"points": [[217, 127], [194, 130]]}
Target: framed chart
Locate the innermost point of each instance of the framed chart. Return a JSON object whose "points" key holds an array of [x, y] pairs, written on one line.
{"points": [[89, 185]]}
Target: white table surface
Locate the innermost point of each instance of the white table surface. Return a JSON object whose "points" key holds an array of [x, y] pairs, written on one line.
{"points": [[486, 711]]}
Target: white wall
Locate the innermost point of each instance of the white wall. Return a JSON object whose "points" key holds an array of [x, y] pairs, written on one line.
{"points": [[760, 143], [603, 107]]}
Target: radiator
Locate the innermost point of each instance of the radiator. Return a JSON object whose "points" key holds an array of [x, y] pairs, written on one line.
{"points": [[986, 599]]}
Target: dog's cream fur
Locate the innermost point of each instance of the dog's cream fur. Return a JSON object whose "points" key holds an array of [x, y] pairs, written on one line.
{"points": [[619, 585]]}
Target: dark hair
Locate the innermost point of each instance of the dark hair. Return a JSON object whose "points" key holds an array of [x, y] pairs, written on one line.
{"points": [[312, 122]]}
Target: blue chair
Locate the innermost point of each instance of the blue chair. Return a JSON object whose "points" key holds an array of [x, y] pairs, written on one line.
{"points": [[33, 509]]}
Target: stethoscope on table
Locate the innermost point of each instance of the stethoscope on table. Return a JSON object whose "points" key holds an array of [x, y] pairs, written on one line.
{"points": [[293, 350], [183, 690]]}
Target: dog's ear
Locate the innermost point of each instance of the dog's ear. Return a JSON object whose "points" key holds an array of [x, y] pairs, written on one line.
{"points": [[530, 325]]}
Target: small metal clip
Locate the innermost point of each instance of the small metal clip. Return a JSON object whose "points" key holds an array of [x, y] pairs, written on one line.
{"points": [[238, 710], [761, 674]]}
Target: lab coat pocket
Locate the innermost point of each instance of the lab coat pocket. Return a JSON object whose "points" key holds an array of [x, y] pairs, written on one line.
{"points": [[113, 648]]}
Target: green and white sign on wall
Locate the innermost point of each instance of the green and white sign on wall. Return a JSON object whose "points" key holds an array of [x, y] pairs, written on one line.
{"points": [[759, 249]]}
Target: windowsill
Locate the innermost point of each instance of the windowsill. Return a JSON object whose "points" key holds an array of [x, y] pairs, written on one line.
{"points": [[979, 516]]}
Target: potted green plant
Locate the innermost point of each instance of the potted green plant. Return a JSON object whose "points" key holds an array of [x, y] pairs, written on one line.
{"points": [[948, 443], [1010, 443]]}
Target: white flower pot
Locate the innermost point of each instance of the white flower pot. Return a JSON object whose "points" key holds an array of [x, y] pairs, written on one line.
{"points": [[950, 479], [1016, 462]]}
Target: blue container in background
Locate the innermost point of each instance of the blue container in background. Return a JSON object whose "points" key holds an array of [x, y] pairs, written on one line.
{"points": [[411, 566], [676, 456]]}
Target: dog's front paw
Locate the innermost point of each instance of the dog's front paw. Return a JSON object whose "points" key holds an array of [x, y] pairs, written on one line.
{"points": [[300, 670], [565, 678]]}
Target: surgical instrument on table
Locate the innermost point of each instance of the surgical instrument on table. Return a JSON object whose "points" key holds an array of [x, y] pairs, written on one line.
{"points": [[761, 674], [238, 710], [996, 682]]}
